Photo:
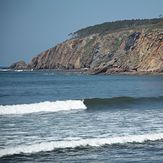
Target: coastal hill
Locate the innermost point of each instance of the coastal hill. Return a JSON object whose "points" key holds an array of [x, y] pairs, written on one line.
{"points": [[111, 47]]}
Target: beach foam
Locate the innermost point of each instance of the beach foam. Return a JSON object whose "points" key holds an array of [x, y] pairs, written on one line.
{"points": [[94, 142]]}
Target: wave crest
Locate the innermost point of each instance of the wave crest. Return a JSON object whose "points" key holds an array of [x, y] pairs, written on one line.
{"points": [[42, 107], [73, 143], [121, 101], [93, 103]]}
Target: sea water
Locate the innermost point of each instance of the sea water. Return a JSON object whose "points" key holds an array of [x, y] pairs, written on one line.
{"points": [[51, 116]]}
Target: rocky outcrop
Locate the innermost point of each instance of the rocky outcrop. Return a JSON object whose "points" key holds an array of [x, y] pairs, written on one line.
{"points": [[139, 50], [131, 40], [121, 46], [20, 65]]}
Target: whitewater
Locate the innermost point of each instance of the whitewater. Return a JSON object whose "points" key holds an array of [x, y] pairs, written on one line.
{"points": [[49, 116], [94, 142], [46, 106], [91, 103]]}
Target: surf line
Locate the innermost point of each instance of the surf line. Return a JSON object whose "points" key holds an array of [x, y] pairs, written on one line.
{"points": [[46, 106], [73, 143]]}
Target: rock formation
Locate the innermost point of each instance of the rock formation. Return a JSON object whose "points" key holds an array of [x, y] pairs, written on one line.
{"points": [[138, 48], [20, 65]]}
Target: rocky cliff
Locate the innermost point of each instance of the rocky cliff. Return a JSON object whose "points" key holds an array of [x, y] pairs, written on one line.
{"points": [[135, 48]]}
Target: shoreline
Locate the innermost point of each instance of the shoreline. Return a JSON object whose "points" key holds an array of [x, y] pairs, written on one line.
{"points": [[84, 71]]}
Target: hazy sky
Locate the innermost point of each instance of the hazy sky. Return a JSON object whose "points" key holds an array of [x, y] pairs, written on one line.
{"points": [[28, 27]]}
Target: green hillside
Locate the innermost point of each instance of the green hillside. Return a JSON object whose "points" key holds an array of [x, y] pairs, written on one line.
{"points": [[119, 25]]}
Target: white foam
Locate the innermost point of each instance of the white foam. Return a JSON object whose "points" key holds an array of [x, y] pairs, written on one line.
{"points": [[18, 70], [42, 107], [95, 142]]}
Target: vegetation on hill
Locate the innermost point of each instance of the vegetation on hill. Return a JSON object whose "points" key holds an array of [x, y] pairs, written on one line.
{"points": [[118, 25]]}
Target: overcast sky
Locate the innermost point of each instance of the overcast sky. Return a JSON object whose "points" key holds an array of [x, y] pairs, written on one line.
{"points": [[28, 27]]}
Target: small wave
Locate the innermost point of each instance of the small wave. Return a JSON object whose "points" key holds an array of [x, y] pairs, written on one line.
{"points": [[120, 101], [5, 70], [4, 95], [19, 70], [94, 142], [42, 107]]}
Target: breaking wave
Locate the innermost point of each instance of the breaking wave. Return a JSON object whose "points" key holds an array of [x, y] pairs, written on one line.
{"points": [[73, 143], [93, 103], [42, 107], [122, 101]]}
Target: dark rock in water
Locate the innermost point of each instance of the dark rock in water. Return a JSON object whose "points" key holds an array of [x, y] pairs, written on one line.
{"points": [[131, 40], [2, 67], [20, 65]]}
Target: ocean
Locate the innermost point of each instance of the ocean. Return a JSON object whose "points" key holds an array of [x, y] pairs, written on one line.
{"points": [[52, 116]]}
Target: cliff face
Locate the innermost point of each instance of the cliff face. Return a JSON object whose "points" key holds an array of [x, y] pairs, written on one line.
{"points": [[138, 49]]}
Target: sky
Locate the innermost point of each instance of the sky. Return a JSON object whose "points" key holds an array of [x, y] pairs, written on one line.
{"points": [[28, 27]]}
